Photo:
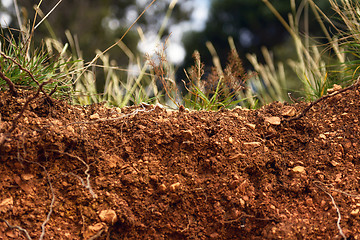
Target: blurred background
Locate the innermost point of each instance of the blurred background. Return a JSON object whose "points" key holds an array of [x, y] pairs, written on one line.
{"points": [[186, 26]]}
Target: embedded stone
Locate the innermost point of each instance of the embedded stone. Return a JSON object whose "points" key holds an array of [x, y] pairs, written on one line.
{"points": [[299, 169], [335, 88], [288, 111], [108, 216], [94, 116], [273, 120], [174, 187]]}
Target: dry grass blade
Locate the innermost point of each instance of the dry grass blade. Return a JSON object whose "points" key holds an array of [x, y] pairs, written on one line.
{"points": [[44, 18], [117, 42], [162, 70], [336, 207], [222, 88]]}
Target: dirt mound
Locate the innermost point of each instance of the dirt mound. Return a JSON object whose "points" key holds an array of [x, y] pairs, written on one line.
{"points": [[71, 172]]}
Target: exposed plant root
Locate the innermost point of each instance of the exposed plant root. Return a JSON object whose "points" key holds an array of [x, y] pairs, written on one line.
{"points": [[302, 114], [97, 235], [113, 119], [6, 134], [337, 209], [51, 205], [10, 84], [24, 231], [87, 185]]}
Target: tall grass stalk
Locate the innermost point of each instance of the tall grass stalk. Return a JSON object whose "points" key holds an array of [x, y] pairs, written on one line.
{"points": [[349, 37], [222, 88], [118, 41], [134, 84], [270, 84], [311, 65]]}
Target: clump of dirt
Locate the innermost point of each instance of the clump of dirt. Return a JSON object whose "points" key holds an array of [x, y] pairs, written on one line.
{"points": [[144, 172]]}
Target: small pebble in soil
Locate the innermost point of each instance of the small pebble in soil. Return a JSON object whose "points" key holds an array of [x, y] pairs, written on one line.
{"points": [[288, 111], [174, 187], [309, 202], [162, 188], [322, 136], [27, 176], [335, 88], [6, 204], [71, 129], [250, 125], [273, 120], [94, 116], [214, 235], [11, 234], [242, 202], [299, 169], [234, 184], [355, 212], [93, 230], [252, 144], [108, 216]]}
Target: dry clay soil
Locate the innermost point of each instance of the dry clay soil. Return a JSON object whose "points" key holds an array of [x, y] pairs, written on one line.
{"points": [[145, 172]]}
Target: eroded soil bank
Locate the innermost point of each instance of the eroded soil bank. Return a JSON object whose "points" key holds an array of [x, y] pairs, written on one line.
{"points": [[149, 173]]}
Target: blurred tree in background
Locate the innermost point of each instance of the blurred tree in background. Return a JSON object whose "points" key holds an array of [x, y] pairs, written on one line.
{"points": [[97, 24], [249, 22]]}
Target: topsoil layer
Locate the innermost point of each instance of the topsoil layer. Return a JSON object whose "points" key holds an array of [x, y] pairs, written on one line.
{"points": [[144, 172]]}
